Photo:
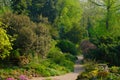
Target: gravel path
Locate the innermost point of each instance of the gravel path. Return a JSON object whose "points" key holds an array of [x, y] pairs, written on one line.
{"points": [[78, 67]]}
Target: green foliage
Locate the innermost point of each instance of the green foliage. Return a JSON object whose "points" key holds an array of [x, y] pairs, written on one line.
{"points": [[4, 6], [95, 71], [69, 15], [70, 57], [20, 6], [49, 10], [67, 47], [21, 27], [15, 73], [107, 49], [75, 34], [15, 53], [113, 76], [62, 59], [115, 69], [5, 43], [56, 55], [43, 40], [69, 11], [4, 10], [36, 9], [47, 68], [34, 37]]}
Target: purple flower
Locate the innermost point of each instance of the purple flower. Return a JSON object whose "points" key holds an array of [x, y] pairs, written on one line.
{"points": [[10, 79], [23, 77]]}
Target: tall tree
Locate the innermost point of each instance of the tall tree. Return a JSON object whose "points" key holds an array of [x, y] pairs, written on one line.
{"points": [[43, 39], [35, 9], [49, 10], [20, 6], [69, 15], [46, 8], [92, 16], [111, 6]]}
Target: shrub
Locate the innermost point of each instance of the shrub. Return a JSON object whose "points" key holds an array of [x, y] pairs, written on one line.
{"points": [[10, 79], [47, 67], [70, 57], [56, 56], [23, 77], [67, 47], [103, 74], [65, 60], [68, 64], [94, 71], [5, 43], [108, 48], [115, 69], [113, 76], [23, 60]]}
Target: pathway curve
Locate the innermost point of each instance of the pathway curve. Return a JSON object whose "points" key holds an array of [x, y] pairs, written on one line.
{"points": [[78, 68]]}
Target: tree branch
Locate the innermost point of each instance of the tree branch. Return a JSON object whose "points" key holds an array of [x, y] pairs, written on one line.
{"points": [[96, 3]]}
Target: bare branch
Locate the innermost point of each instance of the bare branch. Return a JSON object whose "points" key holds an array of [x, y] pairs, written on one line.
{"points": [[96, 3]]}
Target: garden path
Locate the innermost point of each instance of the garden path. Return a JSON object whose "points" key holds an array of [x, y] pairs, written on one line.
{"points": [[78, 68]]}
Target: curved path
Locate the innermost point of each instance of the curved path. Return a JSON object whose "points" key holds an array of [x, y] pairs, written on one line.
{"points": [[78, 67]]}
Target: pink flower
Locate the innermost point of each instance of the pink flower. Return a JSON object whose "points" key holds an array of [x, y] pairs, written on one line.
{"points": [[23, 77], [10, 79]]}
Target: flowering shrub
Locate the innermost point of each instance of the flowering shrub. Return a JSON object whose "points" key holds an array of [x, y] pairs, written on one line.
{"points": [[23, 77], [10, 79]]}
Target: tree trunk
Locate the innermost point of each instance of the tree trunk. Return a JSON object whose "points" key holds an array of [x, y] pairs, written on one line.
{"points": [[108, 15]]}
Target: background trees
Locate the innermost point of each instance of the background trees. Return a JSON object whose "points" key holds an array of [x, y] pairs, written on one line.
{"points": [[103, 29], [20, 6], [111, 8], [69, 16], [49, 28]]}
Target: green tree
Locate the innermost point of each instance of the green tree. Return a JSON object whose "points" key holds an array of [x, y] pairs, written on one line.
{"points": [[46, 8], [67, 47], [5, 43], [75, 34], [49, 10], [69, 12], [92, 16], [20, 6], [22, 28], [110, 7], [43, 41], [95, 17], [69, 15]]}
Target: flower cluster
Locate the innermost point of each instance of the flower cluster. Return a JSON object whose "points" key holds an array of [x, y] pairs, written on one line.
{"points": [[21, 77]]}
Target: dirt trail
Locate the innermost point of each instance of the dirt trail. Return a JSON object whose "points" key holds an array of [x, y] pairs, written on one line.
{"points": [[78, 67]]}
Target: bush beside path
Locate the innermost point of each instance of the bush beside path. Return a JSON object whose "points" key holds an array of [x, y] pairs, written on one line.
{"points": [[78, 68]]}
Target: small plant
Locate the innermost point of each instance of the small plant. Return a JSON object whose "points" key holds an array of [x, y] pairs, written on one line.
{"points": [[114, 69], [10, 79], [23, 77], [67, 47]]}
